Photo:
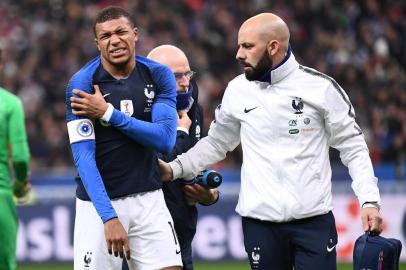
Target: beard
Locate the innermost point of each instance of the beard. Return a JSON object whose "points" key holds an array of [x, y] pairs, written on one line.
{"points": [[263, 65]]}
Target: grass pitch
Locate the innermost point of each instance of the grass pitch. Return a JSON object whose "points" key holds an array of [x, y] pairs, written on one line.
{"points": [[198, 266]]}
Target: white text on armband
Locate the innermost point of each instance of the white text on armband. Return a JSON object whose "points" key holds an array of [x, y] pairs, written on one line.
{"points": [[80, 130]]}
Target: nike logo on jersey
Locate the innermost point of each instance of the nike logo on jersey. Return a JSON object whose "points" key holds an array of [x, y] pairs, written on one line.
{"points": [[248, 110], [329, 249], [177, 251], [106, 95]]}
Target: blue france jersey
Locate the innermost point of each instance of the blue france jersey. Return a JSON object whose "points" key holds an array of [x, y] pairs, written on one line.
{"points": [[125, 148]]}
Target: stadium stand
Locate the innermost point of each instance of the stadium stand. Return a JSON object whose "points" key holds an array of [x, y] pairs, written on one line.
{"points": [[359, 43]]}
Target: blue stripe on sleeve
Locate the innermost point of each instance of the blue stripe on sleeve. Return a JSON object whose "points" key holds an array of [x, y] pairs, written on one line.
{"points": [[83, 154], [159, 135]]}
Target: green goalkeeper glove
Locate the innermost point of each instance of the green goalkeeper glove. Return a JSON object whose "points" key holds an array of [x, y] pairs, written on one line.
{"points": [[21, 188]]}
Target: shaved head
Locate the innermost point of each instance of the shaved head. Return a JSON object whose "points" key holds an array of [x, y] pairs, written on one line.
{"points": [[176, 60], [171, 56], [263, 41], [266, 27]]}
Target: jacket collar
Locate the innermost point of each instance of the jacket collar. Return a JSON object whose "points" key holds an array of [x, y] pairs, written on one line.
{"points": [[282, 70]]}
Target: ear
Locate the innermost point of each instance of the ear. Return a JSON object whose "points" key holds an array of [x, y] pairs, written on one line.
{"points": [[135, 31], [273, 47], [97, 44]]}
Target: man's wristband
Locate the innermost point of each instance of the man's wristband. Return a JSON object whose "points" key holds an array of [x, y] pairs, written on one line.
{"points": [[371, 204]]}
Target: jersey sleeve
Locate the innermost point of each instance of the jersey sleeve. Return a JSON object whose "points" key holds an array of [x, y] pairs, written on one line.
{"points": [[20, 154], [346, 136], [83, 146], [223, 136], [160, 134], [183, 140]]}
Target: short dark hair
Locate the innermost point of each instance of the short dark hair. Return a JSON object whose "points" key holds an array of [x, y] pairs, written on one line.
{"points": [[111, 13]]}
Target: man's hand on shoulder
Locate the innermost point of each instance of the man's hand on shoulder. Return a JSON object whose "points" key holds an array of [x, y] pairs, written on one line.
{"points": [[371, 219], [116, 238], [92, 106]]}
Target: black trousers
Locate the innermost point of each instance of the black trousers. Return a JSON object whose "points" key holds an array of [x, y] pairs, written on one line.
{"points": [[305, 244]]}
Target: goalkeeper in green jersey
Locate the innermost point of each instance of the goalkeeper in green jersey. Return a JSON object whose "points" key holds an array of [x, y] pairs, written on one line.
{"points": [[13, 151]]}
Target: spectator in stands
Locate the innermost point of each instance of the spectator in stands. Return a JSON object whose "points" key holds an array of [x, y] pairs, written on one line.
{"points": [[360, 43]]}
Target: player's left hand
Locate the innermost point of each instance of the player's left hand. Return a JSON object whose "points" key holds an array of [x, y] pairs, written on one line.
{"points": [[92, 106], [371, 220], [198, 193]]}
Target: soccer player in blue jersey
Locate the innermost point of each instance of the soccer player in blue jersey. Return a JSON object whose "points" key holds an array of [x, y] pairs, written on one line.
{"points": [[180, 198], [120, 208]]}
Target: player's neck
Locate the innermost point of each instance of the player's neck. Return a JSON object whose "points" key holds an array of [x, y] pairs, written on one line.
{"points": [[119, 71]]}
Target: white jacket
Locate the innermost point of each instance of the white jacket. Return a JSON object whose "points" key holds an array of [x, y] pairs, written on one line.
{"points": [[285, 129]]}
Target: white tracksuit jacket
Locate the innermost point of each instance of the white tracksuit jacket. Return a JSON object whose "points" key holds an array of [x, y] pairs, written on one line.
{"points": [[285, 129]]}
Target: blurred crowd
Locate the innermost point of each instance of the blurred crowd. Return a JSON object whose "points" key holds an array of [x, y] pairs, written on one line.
{"points": [[359, 43]]}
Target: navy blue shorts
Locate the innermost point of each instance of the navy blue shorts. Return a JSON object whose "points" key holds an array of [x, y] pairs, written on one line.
{"points": [[308, 243]]}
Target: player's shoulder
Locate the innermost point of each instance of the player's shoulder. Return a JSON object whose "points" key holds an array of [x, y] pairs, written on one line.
{"points": [[8, 97], [87, 71], [83, 78], [160, 74], [152, 65]]}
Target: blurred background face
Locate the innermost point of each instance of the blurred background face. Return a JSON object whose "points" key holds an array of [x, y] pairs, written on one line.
{"points": [[252, 54], [116, 40]]}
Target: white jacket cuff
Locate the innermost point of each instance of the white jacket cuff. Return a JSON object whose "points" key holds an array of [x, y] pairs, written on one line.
{"points": [[372, 204], [366, 190], [177, 169]]}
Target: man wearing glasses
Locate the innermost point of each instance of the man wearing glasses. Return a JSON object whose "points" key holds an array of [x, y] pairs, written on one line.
{"points": [[180, 198]]}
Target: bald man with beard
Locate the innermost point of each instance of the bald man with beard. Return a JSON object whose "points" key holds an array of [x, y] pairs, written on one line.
{"points": [[286, 117]]}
